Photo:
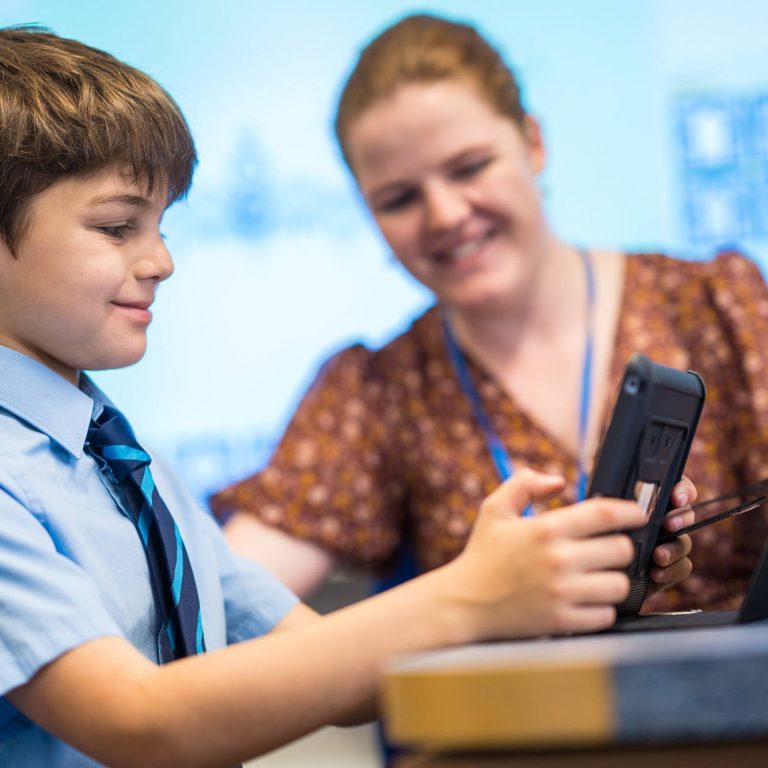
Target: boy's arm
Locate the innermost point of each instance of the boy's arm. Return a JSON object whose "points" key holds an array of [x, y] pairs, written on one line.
{"points": [[517, 577], [302, 565]]}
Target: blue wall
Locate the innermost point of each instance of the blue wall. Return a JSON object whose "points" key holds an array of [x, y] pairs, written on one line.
{"points": [[276, 263]]}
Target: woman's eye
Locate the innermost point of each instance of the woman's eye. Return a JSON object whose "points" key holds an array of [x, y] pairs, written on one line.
{"points": [[116, 231], [392, 204], [469, 169]]}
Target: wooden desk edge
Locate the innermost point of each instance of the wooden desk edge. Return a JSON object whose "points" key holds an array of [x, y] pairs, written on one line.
{"points": [[562, 704]]}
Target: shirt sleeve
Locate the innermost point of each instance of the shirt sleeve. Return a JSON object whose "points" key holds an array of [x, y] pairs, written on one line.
{"points": [[332, 479], [240, 600], [49, 604], [254, 600]]}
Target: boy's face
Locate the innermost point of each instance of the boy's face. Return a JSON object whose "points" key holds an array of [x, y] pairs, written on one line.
{"points": [[76, 295]]}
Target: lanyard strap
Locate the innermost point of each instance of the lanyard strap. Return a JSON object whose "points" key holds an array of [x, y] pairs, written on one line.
{"points": [[586, 374], [499, 454]]}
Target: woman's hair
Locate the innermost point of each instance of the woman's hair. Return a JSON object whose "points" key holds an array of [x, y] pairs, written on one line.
{"points": [[426, 49], [67, 108]]}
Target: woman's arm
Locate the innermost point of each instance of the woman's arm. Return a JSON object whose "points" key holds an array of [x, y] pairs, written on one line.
{"points": [[300, 565]]}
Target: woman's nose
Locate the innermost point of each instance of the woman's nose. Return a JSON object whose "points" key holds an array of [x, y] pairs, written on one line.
{"points": [[445, 208]]}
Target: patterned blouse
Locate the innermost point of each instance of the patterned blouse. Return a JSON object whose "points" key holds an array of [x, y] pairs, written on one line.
{"points": [[385, 444]]}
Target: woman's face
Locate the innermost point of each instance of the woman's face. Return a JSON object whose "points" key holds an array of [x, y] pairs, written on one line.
{"points": [[452, 186]]}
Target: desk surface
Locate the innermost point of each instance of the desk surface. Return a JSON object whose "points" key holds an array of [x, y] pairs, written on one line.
{"points": [[648, 687]]}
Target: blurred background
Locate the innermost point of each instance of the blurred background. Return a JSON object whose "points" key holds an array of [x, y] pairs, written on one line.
{"points": [[655, 114]]}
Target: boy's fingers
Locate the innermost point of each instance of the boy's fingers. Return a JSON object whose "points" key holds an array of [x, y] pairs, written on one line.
{"points": [[522, 489], [585, 618], [606, 588], [601, 552], [595, 516]]}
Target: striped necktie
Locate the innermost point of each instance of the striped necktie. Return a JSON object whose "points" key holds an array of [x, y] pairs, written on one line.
{"points": [[111, 440]]}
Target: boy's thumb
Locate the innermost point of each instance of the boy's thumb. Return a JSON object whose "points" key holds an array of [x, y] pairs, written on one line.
{"points": [[523, 488]]}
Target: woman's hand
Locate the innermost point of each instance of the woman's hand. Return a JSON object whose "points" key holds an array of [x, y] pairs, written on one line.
{"points": [[671, 562], [552, 574]]}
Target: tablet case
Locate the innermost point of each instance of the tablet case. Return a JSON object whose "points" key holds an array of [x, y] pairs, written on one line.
{"points": [[643, 453]]}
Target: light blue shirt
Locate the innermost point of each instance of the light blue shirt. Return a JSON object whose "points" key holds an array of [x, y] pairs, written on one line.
{"points": [[72, 566]]}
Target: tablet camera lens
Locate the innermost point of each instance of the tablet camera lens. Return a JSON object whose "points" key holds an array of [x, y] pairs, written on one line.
{"points": [[632, 385]]}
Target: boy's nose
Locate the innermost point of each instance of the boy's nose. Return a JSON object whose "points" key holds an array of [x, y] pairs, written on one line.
{"points": [[156, 263], [445, 208], [164, 261]]}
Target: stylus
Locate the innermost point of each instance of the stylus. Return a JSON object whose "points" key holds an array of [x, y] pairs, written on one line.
{"points": [[753, 489], [740, 509]]}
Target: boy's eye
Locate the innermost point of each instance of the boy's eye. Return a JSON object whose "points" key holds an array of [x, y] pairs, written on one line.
{"points": [[116, 231]]}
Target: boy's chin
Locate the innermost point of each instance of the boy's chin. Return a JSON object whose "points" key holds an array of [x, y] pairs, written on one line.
{"points": [[115, 360]]}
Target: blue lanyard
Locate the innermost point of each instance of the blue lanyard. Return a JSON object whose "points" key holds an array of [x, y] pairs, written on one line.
{"points": [[501, 458]]}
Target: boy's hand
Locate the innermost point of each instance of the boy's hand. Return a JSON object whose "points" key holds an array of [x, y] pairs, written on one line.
{"points": [[553, 574], [671, 559]]}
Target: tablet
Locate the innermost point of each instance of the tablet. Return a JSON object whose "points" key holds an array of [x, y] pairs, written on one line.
{"points": [[643, 452]]}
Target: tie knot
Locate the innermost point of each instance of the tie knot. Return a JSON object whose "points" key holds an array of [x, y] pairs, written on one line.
{"points": [[111, 438]]}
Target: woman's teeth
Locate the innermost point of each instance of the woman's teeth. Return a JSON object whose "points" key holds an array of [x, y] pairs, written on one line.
{"points": [[463, 251]]}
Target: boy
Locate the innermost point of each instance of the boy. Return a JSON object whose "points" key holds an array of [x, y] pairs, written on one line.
{"points": [[118, 593]]}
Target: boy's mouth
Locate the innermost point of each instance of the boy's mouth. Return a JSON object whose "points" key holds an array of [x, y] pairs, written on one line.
{"points": [[139, 310]]}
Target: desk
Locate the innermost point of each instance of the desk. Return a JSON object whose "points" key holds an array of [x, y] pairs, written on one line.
{"points": [[700, 694]]}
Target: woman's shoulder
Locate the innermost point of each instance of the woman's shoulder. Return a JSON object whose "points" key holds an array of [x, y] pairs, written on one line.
{"points": [[681, 276], [722, 262], [418, 339], [408, 352], [734, 266]]}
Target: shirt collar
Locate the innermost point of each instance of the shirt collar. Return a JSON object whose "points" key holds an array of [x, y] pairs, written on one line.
{"points": [[35, 394]]}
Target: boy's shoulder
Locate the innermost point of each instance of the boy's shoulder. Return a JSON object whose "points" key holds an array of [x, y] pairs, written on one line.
{"points": [[39, 474], [44, 421], [21, 445]]}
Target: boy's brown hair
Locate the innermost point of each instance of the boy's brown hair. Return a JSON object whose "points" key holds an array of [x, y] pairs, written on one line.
{"points": [[425, 48], [67, 108]]}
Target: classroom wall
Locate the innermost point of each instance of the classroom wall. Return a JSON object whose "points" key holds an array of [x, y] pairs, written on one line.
{"points": [[655, 114]]}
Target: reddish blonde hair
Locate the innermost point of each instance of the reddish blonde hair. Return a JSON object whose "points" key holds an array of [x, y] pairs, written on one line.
{"points": [[424, 48]]}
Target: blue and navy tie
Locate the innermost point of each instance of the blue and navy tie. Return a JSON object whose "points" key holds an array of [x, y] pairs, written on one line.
{"points": [[111, 439]]}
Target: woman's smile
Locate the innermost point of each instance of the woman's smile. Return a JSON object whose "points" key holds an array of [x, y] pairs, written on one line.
{"points": [[467, 254], [468, 222]]}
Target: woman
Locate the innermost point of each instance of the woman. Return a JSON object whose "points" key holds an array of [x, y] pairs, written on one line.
{"points": [[517, 362]]}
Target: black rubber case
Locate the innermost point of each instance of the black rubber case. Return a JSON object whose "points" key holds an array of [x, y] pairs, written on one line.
{"points": [[643, 452]]}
